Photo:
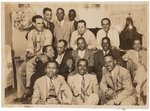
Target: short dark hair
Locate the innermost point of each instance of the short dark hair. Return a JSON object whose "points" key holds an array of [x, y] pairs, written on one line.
{"points": [[60, 9], [64, 41], [46, 9], [36, 17], [109, 55], [106, 19], [81, 38], [82, 60], [82, 21], [45, 48], [107, 38], [138, 40], [52, 61], [72, 10]]}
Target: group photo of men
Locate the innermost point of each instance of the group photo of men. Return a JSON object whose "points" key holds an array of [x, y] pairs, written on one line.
{"points": [[69, 63]]}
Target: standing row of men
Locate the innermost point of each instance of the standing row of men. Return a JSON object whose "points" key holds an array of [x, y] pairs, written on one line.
{"points": [[81, 75]]}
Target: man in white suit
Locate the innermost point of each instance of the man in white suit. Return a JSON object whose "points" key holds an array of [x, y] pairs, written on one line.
{"points": [[51, 88], [84, 86]]}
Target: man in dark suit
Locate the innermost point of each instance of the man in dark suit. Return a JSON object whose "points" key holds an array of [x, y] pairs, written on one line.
{"points": [[47, 14], [73, 22], [99, 57], [64, 59]]}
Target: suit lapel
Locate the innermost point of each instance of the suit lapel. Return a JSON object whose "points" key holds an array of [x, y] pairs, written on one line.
{"points": [[109, 80], [57, 85], [86, 54], [44, 87], [87, 81]]}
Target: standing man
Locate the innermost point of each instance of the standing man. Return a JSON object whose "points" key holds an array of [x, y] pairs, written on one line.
{"points": [[99, 57], [62, 28], [47, 13], [84, 86], [116, 84], [73, 22], [106, 31], [51, 88], [82, 31]]}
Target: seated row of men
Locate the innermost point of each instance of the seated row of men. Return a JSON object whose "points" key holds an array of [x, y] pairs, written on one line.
{"points": [[103, 68]]}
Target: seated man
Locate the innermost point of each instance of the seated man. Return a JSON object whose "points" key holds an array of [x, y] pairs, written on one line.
{"points": [[64, 58], [51, 88], [36, 67], [82, 52], [84, 86], [116, 84], [137, 65], [82, 31], [37, 39], [99, 57]]}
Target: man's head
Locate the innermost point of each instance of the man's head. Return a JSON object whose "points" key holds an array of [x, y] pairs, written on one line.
{"points": [[51, 69], [137, 44], [47, 13], [109, 62], [105, 23], [81, 43], [38, 22], [72, 14], [106, 45], [61, 46], [82, 66], [60, 13], [81, 26], [48, 50]]}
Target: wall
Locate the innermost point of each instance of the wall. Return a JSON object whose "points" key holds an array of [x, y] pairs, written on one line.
{"points": [[92, 13]]}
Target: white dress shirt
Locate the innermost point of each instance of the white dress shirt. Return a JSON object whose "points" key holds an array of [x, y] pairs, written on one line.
{"points": [[88, 36], [113, 36], [61, 23], [60, 58], [81, 53]]}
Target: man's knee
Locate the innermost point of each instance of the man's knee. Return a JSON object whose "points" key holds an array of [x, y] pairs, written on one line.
{"points": [[131, 100], [93, 99]]}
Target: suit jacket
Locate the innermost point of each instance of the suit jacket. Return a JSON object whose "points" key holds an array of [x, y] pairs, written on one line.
{"points": [[62, 90], [91, 84], [99, 61], [88, 56], [62, 32], [121, 83], [63, 68]]}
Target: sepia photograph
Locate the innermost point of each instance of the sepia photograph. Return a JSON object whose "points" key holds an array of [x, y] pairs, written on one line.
{"points": [[75, 54]]}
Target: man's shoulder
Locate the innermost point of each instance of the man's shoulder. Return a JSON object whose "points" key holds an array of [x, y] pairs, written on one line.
{"points": [[41, 79], [99, 52], [122, 71], [60, 77]]}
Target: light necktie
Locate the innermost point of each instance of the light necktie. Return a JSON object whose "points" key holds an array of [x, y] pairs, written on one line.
{"points": [[51, 91], [37, 42]]}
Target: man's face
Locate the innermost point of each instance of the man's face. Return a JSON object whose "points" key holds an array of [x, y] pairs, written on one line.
{"points": [[60, 48], [71, 15], [81, 28], [60, 15], [50, 52], [39, 25], [105, 25], [137, 45], [105, 45], [82, 67], [51, 70], [48, 15], [81, 45], [109, 63]]}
